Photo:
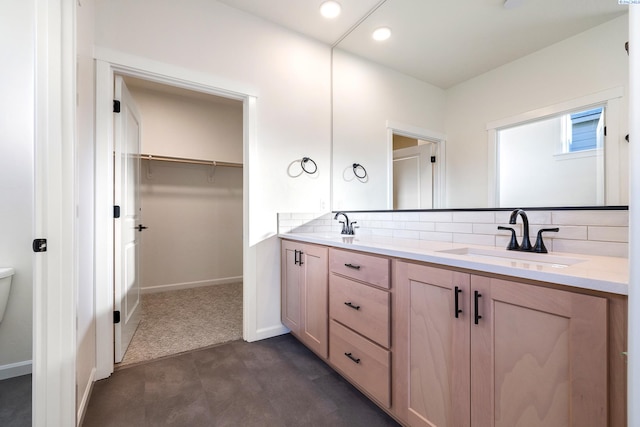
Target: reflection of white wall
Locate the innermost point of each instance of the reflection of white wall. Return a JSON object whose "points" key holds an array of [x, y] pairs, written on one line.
{"points": [[531, 173], [581, 65], [17, 179], [360, 115]]}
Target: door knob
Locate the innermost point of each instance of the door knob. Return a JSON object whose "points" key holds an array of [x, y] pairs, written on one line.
{"points": [[141, 227]]}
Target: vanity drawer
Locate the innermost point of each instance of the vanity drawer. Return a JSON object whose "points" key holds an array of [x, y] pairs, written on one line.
{"points": [[365, 363], [362, 308], [366, 268]]}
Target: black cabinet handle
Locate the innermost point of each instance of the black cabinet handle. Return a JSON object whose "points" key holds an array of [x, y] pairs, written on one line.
{"points": [[476, 297], [297, 257], [350, 356], [457, 309], [355, 267], [350, 304]]}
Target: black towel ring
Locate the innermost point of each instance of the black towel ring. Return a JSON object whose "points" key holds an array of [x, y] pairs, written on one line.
{"points": [[355, 171], [308, 159]]}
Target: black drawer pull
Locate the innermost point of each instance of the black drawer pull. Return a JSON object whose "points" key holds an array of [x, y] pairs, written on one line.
{"points": [[457, 309], [352, 358], [355, 267], [350, 304]]}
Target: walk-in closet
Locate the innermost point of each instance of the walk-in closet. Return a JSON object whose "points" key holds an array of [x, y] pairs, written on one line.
{"points": [[190, 195]]}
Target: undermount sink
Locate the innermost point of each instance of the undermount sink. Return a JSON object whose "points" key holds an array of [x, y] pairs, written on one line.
{"points": [[524, 257]]}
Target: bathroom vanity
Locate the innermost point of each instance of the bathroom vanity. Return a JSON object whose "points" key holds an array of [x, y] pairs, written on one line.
{"points": [[439, 334]]}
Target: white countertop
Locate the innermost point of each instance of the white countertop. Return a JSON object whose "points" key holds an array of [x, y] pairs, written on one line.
{"points": [[606, 274]]}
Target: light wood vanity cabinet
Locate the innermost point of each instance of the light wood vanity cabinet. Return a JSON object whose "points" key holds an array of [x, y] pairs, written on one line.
{"points": [[304, 292], [359, 327], [516, 354], [409, 335]]}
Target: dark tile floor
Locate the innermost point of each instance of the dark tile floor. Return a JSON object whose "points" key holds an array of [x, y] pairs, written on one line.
{"points": [[15, 402], [274, 382]]}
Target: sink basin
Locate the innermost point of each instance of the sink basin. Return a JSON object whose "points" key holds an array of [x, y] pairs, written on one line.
{"points": [[523, 257]]}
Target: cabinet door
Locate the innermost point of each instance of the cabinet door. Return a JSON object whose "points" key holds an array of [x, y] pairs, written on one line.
{"points": [[431, 369], [290, 292], [538, 357], [314, 299]]}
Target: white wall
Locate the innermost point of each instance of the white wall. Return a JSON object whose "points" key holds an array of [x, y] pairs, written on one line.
{"points": [[86, 336], [290, 77], [581, 65], [188, 125], [366, 96], [17, 180]]}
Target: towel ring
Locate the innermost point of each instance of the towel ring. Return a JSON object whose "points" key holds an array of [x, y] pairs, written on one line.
{"points": [[304, 161], [355, 171]]}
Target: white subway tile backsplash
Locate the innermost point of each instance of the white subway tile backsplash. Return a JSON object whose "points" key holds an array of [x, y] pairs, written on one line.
{"points": [[593, 232], [436, 216], [598, 217], [454, 227], [565, 232], [436, 236], [407, 234], [474, 239], [614, 249], [609, 234], [406, 216], [480, 216], [420, 226]]}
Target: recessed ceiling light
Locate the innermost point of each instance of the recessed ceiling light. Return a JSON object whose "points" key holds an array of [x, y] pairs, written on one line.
{"points": [[330, 9], [382, 33]]}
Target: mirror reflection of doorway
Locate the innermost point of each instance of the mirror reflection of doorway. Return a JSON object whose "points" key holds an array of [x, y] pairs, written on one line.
{"points": [[413, 173]]}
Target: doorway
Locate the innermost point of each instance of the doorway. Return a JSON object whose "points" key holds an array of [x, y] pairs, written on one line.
{"points": [[174, 78], [190, 222], [417, 159]]}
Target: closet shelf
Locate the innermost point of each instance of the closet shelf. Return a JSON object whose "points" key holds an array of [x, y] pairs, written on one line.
{"points": [[190, 161]]}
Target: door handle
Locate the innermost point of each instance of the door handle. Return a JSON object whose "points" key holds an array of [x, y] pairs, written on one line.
{"points": [[141, 227], [297, 257], [457, 310], [476, 297], [350, 356]]}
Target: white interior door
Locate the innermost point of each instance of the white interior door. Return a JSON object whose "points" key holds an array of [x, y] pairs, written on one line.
{"points": [[413, 178], [127, 227]]}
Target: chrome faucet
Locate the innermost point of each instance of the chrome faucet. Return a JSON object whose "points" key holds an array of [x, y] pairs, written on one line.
{"points": [[526, 243], [347, 228]]}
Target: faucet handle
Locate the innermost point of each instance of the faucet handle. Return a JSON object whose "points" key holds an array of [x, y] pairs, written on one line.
{"points": [[352, 228], [513, 244], [539, 247]]}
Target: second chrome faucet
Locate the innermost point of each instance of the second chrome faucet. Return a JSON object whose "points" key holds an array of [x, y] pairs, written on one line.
{"points": [[526, 243], [347, 228]]}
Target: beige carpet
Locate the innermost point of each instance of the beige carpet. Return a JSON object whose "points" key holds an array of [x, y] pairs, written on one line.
{"points": [[178, 321]]}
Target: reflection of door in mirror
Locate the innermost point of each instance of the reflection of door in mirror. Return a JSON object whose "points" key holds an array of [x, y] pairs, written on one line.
{"points": [[412, 173], [554, 161]]}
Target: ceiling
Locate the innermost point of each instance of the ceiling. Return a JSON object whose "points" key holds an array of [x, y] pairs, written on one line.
{"points": [[442, 42]]}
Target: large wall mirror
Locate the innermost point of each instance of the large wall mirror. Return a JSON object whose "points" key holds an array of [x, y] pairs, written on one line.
{"points": [[454, 77]]}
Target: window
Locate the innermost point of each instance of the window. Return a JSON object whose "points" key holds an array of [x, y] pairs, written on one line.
{"points": [[582, 130]]}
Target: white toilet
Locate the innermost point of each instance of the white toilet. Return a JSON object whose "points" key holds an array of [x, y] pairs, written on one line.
{"points": [[6, 273]]}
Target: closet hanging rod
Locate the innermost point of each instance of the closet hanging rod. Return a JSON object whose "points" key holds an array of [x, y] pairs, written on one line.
{"points": [[190, 161]]}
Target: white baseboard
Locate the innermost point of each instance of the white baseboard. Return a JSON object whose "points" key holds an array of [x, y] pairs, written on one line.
{"points": [[189, 285], [82, 408], [270, 332], [15, 369]]}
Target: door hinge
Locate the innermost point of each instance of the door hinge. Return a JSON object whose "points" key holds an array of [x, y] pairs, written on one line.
{"points": [[433, 159], [116, 316], [605, 131], [116, 211], [116, 106], [39, 245]]}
